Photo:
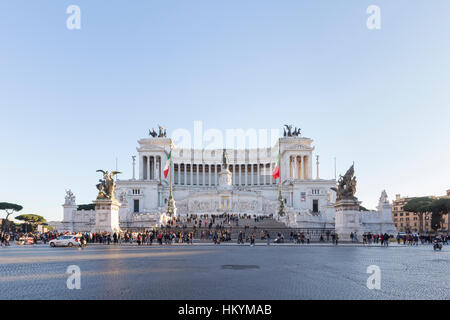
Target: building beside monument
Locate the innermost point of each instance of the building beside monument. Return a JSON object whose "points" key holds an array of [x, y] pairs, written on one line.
{"points": [[409, 222], [217, 181]]}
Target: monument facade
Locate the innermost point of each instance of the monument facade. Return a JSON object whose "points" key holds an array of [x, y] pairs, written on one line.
{"points": [[240, 181]]}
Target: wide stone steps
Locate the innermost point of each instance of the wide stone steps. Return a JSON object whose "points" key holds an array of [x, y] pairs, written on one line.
{"points": [[247, 226]]}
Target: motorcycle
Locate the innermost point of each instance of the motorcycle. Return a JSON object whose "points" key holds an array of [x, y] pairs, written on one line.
{"points": [[437, 245]]}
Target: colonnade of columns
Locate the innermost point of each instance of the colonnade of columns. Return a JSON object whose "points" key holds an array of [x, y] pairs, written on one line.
{"points": [[208, 174], [299, 167], [152, 169]]}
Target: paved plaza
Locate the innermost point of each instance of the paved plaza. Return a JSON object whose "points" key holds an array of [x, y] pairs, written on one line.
{"points": [[224, 272]]}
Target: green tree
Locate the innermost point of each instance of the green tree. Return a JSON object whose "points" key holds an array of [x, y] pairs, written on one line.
{"points": [[90, 206], [31, 219], [438, 208], [9, 208], [419, 206]]}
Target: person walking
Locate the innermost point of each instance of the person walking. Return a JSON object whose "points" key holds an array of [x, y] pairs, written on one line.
{"points": [[268, 238], [240, 238], [83, 241]]}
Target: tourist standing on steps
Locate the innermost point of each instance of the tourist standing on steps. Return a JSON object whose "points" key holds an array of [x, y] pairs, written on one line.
{"points": [[386, 239], [268, 238], [240, 238], [252, 239], [139, 238]]}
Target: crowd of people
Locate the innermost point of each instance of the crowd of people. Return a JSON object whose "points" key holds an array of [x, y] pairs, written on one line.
{"points": [[369, 238], [413, 239], [33, 237], [219, 229]]}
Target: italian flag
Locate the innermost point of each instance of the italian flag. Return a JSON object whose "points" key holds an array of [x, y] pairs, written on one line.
{"points": [[276, 171], [166, 168]]}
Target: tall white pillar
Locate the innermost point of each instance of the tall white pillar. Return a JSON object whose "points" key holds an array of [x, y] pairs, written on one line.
{"points": [[271, 179], [295, 167], [264, 171], [300, 175], [317, 167], [156, 168], [240, 174], [198, 174], [190, 174], [216, 175], [149, 177], [204, 173], [305, 175], [257, 173]]}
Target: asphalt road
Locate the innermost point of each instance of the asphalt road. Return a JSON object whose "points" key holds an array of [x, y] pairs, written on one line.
{"points": [[224, 272]]}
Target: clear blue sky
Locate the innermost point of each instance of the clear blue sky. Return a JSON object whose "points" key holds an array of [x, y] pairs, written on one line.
{"points": [[73, 101]]}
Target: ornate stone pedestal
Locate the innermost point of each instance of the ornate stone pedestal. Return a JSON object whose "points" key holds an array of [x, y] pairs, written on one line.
{"points": [[225, 187], [225, 179], [106, 215], [385, 210], [171, 207], [347, 219]]}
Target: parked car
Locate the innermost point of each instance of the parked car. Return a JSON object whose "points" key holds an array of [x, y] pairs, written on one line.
{"points": [[65, 241]]}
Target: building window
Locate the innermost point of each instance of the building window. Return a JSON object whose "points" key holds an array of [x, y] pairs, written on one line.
{"points": [[136, 191], [315, 205], [315, 191], [136, 205]]}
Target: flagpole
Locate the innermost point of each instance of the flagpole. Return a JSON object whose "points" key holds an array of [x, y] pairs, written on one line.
{"points": [[279, 157], [170, 203], [281, 211], [170, 168]]}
